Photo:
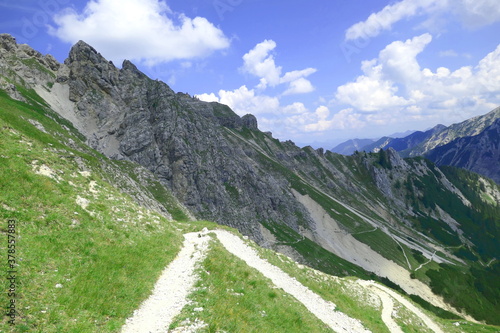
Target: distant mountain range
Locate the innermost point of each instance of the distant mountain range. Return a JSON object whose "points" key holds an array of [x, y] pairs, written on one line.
{"points": [[350, 146], [471, 144]]}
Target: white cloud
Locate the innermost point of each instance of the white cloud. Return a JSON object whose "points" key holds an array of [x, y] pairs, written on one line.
{"points": [[471, 13], [377, 89], [295, 75], [478, 13], [399, 59], [322, 123], [394, 87], [295, 108], [140, 30], [488, 72], [448, 53], [244, 101], [299, 86], [208, 97], [342, 120], [370, 94], [259, 62]]}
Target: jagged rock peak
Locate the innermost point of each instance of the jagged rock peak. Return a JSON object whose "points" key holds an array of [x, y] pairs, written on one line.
{"points": [[82, 51], [7, 42], [249, 121], [128, 66], [394, 157], [8, 45]]}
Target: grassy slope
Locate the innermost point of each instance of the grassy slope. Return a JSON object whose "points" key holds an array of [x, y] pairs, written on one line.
{"points": [[422, 192], [106, 256]]}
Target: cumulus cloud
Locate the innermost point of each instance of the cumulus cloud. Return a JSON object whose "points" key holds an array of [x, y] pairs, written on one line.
{"points": [[378, 88], [244, 101], [260, 62], [299, 86], [294, 108], [322, 123], [394, 86], [471, 13], [142, 30], [344, 119], [399, 58], [368, 94], [208, 97]]}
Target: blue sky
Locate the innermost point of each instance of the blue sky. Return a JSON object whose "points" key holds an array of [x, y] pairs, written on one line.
{"points": [[315, 72]]}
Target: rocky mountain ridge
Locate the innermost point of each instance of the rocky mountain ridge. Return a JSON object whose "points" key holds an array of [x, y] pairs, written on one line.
{"points": [[299, 201], [479, 153], [420, 143], [434, 143], [469, 127], [403, 144]]}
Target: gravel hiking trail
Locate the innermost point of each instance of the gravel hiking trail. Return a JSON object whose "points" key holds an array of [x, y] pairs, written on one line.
{"points": [[386, 296], [170, 293], [176, 282]]}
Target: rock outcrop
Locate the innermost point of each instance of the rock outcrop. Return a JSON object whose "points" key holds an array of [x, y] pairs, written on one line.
{"points": [[189, 144]]}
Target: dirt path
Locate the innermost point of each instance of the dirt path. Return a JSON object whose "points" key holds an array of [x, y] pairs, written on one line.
{"points": [[177, 280], [425, 263], [325, 311], [349, 248], [171, 290], [386, 295], [387, 309]]}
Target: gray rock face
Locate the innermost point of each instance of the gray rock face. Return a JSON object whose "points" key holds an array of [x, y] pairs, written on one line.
{"points": [[7, 43], [479, 153], [23, 65], [11, 89], [470, 127], [249, 121], [187, 143]]}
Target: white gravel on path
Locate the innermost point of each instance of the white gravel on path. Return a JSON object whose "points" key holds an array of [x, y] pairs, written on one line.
{"points": [[387, 307], [171, 290], [177, 281], [322, 309], [384, 293]]}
